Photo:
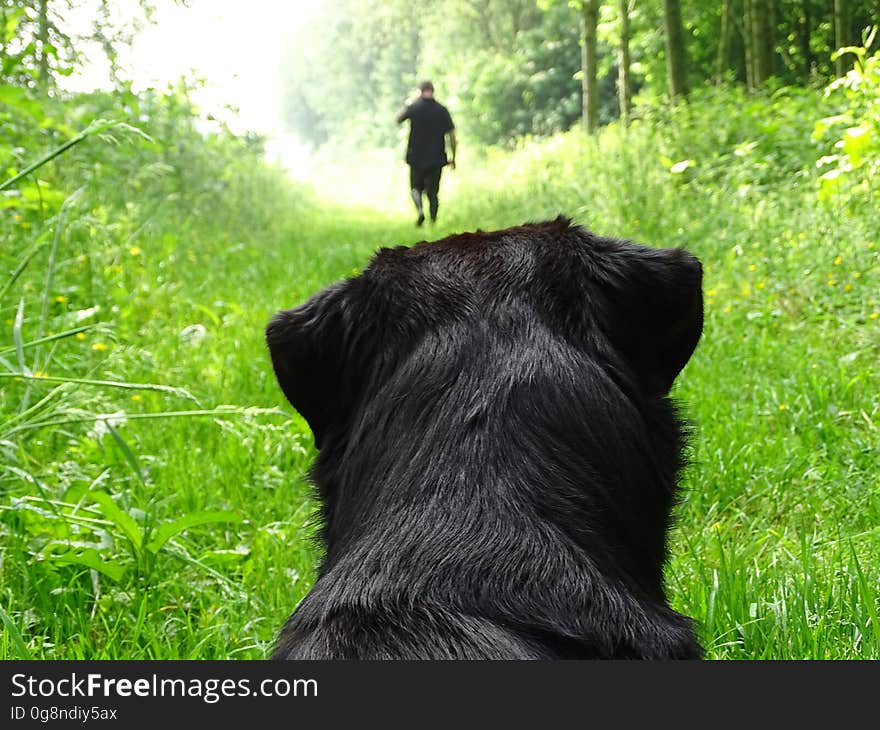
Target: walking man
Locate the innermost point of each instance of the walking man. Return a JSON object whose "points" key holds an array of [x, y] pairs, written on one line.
{"points": [[429, 124]]}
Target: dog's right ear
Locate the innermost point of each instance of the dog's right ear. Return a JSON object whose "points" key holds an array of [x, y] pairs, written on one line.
{"points": [[311, 349]]}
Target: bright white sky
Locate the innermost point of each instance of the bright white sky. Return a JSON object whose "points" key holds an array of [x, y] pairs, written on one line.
{"points": [[235, 45]]}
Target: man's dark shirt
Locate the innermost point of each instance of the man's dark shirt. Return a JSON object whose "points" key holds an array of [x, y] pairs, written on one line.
{"points": [[429, 122]]}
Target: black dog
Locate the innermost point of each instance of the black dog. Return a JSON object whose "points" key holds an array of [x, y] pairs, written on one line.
{"points": [[498, 455]]}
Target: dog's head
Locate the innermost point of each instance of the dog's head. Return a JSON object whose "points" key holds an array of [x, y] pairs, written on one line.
{"points": [[636, 309]]}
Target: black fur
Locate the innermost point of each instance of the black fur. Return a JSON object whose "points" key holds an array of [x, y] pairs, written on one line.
{"points": [[498, 455]]}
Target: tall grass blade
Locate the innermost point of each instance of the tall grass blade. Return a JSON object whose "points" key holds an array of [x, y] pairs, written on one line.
{"points": [[96, 127], [15, 635], [19, 270], [129, 455]]}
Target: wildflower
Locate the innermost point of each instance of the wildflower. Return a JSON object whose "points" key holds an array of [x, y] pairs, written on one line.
{"points": [[838, 261], [135, 251], [99, 346], [832, 282], [783, 407], [857, 274], [814, 366], [41, 374], [874, 315], [61, 299], [136, 397], [847, 287], [80, 336], [752, 267], [117, 268], [746, 290], [711, 293], [761, 284], [728, 309]]}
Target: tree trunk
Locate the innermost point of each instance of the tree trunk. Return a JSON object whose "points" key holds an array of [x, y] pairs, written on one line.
{"points": [[676, 52], [624, 86], [43, 38], [841, 35], [806, 29], [749, 43], [722, 61], [762, 41], [589, 86]]}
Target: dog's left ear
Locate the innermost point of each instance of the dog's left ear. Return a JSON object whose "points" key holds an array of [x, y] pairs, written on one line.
{"points": [[311, 348], [660, 295]]}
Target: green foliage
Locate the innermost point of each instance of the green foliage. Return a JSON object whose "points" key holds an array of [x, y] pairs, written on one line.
{"points": [[111, 205], [850, 171]]}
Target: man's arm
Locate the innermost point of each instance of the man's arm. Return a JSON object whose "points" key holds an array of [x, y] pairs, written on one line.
{"points": [[404, 114], [452, 146]]}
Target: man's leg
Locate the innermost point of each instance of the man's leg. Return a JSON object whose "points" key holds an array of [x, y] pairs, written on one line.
{"points": [[416, 185], [432, 187]]}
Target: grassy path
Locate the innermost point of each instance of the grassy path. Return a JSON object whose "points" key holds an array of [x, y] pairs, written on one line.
{"points": [[778, 546]]}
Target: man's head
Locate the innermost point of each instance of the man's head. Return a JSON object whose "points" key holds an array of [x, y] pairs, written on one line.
{"points": [[427, 89]]}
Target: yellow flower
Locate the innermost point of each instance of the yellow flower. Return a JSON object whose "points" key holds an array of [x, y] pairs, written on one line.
{"points": [[752, 267], [847, 287], [874, 315], [41, 374], [832, 282], [136, 397], [857, 274], [838, 261], [117, 268], [728, 309], [61, 299], [746, 290], [783, 408], [99, 346], [761, 284], [711, 293], [814, 366], [871, 244], [80, 336], [135, 251]]}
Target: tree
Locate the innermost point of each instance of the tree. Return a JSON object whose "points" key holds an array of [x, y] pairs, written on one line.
{"points": [[841, 35], [676, 51], [38, 43], [589, 10], [806, 30], [761, 16], [624, 83], [724, 36]]}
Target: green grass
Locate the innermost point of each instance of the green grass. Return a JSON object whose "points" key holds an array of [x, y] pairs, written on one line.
{"points": [[777, 547]]}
